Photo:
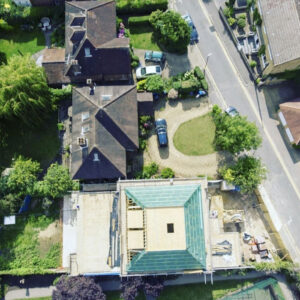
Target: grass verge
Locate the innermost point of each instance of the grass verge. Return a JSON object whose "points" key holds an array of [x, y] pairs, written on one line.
{"points": [[196, 137], [141, 37]]}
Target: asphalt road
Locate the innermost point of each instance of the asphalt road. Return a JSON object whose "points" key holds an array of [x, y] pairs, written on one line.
{"points": [[228, 75]]}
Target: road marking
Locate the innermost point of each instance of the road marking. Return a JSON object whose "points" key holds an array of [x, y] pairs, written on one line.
{"points": [[249, 98]]}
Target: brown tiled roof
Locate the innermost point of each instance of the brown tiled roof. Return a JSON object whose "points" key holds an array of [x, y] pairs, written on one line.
{"points": [[54, 55], [55, 73], [291, 113], [113, 130], [281, 20]]}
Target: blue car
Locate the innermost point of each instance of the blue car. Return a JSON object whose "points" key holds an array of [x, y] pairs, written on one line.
{"points": [[194, 33], [161, 131]]}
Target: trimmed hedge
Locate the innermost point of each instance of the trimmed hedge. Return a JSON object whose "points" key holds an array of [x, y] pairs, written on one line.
{"points": [[137, 7], [188, 86], [204, 84], [138, 21], [198, 73]]}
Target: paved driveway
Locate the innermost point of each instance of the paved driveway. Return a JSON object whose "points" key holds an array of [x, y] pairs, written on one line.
{"points": [[176, 113]]}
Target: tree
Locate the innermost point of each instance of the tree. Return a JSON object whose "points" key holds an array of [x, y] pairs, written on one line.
{"points": [[24, 93], [23, 177], [80, 288], [235, 134], [56, 183], [155, 84], [171, 30], [247, 173], [153, 286], [130, 287]]}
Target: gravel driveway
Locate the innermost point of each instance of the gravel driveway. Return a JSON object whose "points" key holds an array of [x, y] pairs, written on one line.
{"points": [[175, 113]]}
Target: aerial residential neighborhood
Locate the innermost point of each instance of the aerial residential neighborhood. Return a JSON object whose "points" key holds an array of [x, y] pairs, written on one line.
{"points": [[149, 149]]}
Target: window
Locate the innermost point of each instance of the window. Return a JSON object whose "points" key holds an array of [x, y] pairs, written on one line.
{"points": [[96, 157], [87, 52], [106, 97], [85, 129], [85, 116], [170, 227]]}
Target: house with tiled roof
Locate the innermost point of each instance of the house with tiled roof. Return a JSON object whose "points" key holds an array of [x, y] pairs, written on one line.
{"points": [[104, 101], [280, 33]]}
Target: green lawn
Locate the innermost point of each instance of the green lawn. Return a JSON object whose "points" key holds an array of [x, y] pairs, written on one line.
{"points": [[22, 249], [40, 298], [196, 137], [16, 41], [142, 38], [193, 291], [40, 143]]}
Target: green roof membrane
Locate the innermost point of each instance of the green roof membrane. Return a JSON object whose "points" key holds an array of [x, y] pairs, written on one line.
{"points": [[194, 257], [161, 196]]}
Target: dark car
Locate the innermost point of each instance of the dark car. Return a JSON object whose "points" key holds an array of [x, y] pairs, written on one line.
{"points": [[161, 131], [194, 33], [155, 56]]}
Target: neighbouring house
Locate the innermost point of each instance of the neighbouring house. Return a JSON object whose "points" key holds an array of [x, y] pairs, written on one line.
{"points": [[280, 33], [104, 101], [289, 116]]}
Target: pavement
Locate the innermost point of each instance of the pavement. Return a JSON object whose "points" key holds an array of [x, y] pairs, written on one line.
{"points": [[231, 85], [30, 292]]}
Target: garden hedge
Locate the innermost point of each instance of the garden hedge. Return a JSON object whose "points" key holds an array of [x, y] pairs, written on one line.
{"points": [[198, 73], [138, 7], [204, 84], [189, 86], [138, 21]]}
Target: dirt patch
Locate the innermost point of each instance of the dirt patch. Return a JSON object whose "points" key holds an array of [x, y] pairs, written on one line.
{"points": [[50, 236]]}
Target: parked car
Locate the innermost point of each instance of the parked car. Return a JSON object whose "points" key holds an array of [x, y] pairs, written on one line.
{"points": [[143, 72], [194, 33], [161, 131], [231, 111], [155, 56]]}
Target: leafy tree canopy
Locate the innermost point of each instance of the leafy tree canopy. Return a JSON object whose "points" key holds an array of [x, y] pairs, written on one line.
{"points": [[24, 93], [248, 172], [154, 83], [235, 134], [23, 177], [171, 30], [80, 288], [56, 183]]}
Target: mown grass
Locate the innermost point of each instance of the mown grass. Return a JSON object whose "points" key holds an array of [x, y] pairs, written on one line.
{"points": [[193, 291], [21, 42], [196, 137], [141, 37], [39, 298]]}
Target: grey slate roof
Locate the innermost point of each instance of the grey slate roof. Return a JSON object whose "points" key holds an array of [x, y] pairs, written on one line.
{"points": [[113, 130], [92, 24], [281, 20]]}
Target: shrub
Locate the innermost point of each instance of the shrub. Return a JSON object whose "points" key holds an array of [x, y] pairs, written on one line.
{"points": [[204, 84], [167, 173], [3, 58], [256, 17], [176, 85], [171, 31], [135, 61], [154, 83], [228, 12], [172, 94], [58, 95], [198, 73], [241, 22], [138, 21], [138, 7], [58, 36], [142, 144], [253, 63], [262, 50], [231, 21], [242, 16], [148, 171], [4, 26], [141, 85], [188, 86], [60, 126]]}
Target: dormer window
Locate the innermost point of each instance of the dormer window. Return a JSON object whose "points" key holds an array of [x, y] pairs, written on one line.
{"points": [[96, 157], [85, 129], [106, 97], [87, 52], [85, 116]]}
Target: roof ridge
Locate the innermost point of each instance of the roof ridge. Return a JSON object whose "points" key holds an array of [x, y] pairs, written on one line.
{"points": [[87, 98], [117, 98], [86, 9]]}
